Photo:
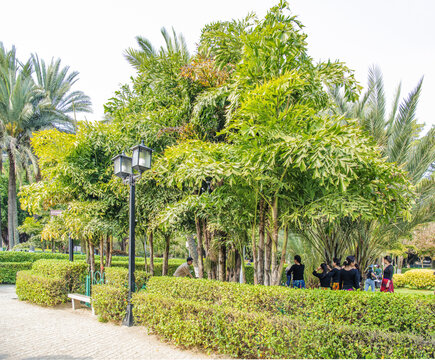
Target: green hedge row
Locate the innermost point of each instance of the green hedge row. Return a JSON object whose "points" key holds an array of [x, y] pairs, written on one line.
{"points": [[388, 312], [49, 281], [41, 290], [118, 277], [22, 256], [244, 334], [109, 302], [8, 271]]}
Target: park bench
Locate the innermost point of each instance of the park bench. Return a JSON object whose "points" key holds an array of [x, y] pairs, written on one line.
{"points": [[76, 298]]}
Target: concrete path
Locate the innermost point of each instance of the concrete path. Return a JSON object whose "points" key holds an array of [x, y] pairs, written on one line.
{"points": [[29, 332]]}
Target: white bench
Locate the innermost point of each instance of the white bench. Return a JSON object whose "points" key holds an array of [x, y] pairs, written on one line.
{"points": [[76, 298]]}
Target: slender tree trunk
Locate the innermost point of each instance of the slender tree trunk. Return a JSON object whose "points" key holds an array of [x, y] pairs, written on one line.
{"points": [[109, 248], [267, 258], [282, 261], [12, 203], [53, 247], [274, 253], [222, 258], [261, 232], [193, 253], [145, 253], [199, 248], [151, 244], [238, 264], [92, 258], [213, 257], [102, 255], [166, 255]]}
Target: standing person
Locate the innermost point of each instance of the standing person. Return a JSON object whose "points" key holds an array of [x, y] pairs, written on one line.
{"points": [[378, 273], [349, 275], [184, 269], [297, 270], [387, 280], [356, 266], [370, 279], [335, 274], [324, 276]]}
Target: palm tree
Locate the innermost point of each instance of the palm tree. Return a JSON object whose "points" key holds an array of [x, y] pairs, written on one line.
{"points": [[27, 106], [398, 137]]}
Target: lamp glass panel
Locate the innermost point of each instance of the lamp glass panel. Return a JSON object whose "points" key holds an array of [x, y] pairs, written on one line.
{"points": [[145, 159], [126, 165], [117, 163], [135, 159]]}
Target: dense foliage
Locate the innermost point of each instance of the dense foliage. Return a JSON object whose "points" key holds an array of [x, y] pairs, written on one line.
{"points": [[415, 279]]}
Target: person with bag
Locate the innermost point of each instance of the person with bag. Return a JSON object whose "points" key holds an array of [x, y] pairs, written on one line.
{"points": [[370, 279]]}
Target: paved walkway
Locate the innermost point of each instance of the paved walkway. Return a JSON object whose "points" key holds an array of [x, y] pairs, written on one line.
{"points": [[29, 332]]}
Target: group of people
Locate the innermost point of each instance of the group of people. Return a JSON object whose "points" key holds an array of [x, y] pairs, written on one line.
{"points": [[341, 277]]}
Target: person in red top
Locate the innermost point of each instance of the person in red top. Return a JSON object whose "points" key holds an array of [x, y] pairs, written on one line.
{"points": [[387, 280]]}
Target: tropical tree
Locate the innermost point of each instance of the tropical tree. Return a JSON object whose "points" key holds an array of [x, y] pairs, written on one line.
{"points": [[27, 106], [398, 136]]}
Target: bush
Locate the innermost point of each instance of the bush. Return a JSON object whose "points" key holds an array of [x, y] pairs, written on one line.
{"points": [[41, 290], [74, 273], [415, 279], [118, 277], [389, 312], [399, 280], [109, 302], [8, 271], [259, 335]]}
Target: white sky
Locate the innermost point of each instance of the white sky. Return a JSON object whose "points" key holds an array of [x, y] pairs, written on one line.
{"points": [[91, 35]]}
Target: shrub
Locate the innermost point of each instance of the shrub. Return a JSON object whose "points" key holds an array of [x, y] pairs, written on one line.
{"points": [[109, 302], [8, 271], [399, 280], [118, 277], [415, 279], [74, 273], [259, 335], [390, 312], [41, 290]]}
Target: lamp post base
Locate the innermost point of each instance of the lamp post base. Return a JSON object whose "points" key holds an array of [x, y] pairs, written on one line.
{"points": [[128, 320]]}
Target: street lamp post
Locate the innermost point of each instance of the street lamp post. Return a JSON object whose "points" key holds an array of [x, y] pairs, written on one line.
{"points": [[124, 168]]}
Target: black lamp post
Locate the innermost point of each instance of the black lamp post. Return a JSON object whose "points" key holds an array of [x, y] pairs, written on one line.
{"points": [[124, 166]]}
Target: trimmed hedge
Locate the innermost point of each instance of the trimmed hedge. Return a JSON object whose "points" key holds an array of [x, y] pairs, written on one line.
{"points": [[41, 290], [109, 302], [244, 334], [74, 273], [50, 281], [389, 312], [8, 271], [118, 277], [415, 279]]}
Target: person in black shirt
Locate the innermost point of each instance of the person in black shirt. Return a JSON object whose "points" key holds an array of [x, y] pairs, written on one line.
{"points": [[324, 276], [335, 274], [297, 270], [349, 275], [356, 266], [387, 280]]}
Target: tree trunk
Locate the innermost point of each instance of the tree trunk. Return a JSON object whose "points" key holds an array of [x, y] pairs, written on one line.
{"points": [[222, 261], [145, 253], [151, 244], [277, 276], [274, 253], [101, 255], [109, 248], [238, 264], [199, 248], [53, 248], [165, 265], [12, 203], [193, 253], [267, 258], [92, 258], [213, 258], [261, 232]]}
